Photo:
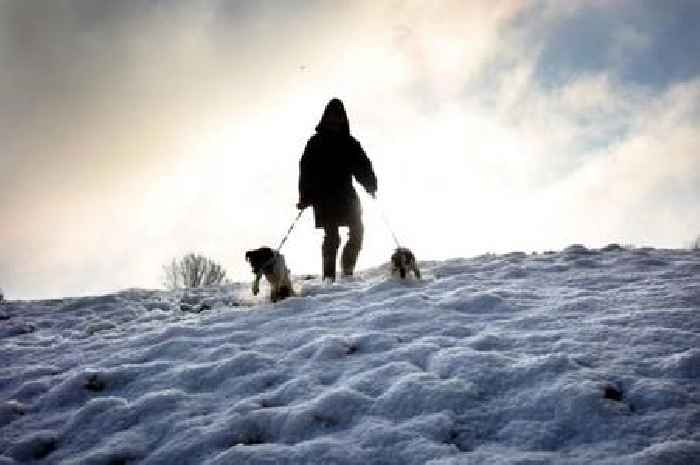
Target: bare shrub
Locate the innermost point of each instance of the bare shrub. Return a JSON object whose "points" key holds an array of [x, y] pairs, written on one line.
{"points": [[695, 244], [171, 275], [193, 270]]}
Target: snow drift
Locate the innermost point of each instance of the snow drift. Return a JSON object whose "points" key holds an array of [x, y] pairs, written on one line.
{"points": [[581, 356]]}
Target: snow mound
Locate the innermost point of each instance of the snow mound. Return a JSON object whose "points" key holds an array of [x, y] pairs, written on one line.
{"points": [[581, 356]]}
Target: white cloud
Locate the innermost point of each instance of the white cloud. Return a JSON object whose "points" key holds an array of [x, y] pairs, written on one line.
{"points": [[188, 133]]}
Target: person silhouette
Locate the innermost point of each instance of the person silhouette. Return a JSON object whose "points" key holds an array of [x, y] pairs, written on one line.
{"points": [[331, 158]]}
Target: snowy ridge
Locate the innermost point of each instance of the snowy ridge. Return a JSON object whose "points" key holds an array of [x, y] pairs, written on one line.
{"points": [[581, 356]]}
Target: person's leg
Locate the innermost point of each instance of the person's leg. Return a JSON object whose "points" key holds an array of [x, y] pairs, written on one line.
{"points": [[352, 247], [329, 251]]}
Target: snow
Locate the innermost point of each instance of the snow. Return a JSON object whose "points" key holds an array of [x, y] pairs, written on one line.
{"points": [[580, 356]]}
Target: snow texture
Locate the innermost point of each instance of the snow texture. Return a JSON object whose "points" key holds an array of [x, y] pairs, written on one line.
{"points": [[576, 357]]}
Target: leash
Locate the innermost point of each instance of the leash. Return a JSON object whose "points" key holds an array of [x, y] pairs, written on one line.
{"points": [[276, 252], [386, 222], [289, 231]]}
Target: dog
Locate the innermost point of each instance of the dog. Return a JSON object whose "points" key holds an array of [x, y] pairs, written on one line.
{"points": [[402, 262], [270, 263]]}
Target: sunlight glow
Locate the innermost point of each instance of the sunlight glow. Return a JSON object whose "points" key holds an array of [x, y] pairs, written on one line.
{"points": [[121, 164]]}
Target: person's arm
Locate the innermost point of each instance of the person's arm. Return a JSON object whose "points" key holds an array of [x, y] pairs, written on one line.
{"points": [[362, 170]]}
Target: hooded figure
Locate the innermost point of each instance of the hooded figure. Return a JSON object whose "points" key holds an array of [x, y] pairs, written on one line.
{"points": [[330, 160]]}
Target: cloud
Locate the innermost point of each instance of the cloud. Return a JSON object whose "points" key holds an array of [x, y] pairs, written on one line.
{"points": [[640, 42], [644, 187], [517, 150], [131, 129], [134, 131]]}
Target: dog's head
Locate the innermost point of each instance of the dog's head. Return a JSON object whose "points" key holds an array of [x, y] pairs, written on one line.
{"points": [[402, 258], [259, 258]]}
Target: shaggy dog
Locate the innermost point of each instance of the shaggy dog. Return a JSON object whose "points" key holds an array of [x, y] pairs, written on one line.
{"points": [[402, 262], [266, 261]]}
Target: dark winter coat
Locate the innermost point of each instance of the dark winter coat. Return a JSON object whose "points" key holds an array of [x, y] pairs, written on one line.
{"points": [[330, 160]]}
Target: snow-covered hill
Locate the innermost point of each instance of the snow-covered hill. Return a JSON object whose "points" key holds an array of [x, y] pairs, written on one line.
{"points": [[577, 357]]}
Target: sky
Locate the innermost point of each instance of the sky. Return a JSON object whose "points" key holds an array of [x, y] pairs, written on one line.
{"points": [[137, 131]]}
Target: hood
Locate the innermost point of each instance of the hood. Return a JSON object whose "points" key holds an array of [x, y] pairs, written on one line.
{"points": [[334, 118]]}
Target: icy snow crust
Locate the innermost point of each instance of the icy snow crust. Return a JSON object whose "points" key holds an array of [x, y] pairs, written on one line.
{"points": [[581, 356]]}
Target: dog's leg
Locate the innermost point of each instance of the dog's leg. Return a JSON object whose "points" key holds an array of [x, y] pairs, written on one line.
{"points": [[273, 279], [256, 283], [416, 271], [286, 289]]}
